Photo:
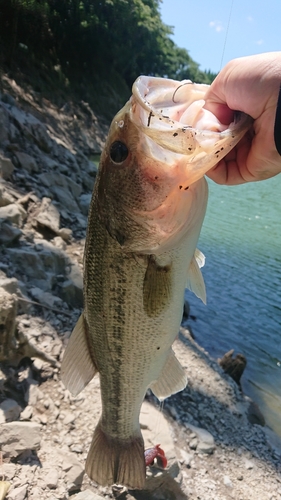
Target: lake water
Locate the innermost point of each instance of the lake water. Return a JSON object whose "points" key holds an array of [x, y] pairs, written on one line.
{"points": [[241, 239]]}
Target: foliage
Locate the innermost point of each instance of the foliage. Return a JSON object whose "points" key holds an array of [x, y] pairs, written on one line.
{"points": [[96, 40], [128, 35]]}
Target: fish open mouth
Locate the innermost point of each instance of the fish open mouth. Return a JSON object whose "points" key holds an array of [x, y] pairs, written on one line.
{"points": [[172, 114]]}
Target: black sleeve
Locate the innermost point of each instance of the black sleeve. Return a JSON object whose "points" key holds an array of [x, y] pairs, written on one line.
{"points": [[277, 125]]}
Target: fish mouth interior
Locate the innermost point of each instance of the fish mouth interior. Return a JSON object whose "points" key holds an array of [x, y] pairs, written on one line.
{"points": [[171, 114], [170, 104]]}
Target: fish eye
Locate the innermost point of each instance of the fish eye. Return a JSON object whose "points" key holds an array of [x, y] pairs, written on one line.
{"points": [[118, 151]]}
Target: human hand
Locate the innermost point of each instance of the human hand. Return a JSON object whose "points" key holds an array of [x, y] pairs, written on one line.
{"points": [[249, 84]]}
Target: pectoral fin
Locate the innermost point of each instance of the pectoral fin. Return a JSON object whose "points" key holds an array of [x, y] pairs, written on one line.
{"points": [[195, 281], [157, 287], [77, 367], [172, 379]]}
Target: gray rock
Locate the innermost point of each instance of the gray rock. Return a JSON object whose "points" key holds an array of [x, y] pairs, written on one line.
{"points": [[33, 265], [45, 298], [58, 242], [66, 234], [33, 393], [51, 479], [49, 215], [186, 457], [8, 312], [41, 263], [8, 470], [193, 443], [18, 493], [11, 285], [9, 410], [6, 168], [71, 290], [27, 162], [17, 437], [6, 198], [8, 233], [48, 162], [36, 493], [74, 471], [26, 414], [255, 415], [53, 179], [71, 293], [53, 259], [87, 495], [65, 198], [82, 220], [69, 418], [206, 443], [4, 124], [40, 135], [13, 213], [84, 202], [227, 481], [248, 464], [8, 99]]}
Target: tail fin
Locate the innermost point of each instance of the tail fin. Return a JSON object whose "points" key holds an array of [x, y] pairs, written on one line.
{"points": [[112, 460]]}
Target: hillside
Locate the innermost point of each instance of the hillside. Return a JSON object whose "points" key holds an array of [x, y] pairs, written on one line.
{"points": [[65, 68], [209, 432]]}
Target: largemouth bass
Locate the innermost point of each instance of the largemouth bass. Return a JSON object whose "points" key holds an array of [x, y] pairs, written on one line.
{"points": [[145, 217]]}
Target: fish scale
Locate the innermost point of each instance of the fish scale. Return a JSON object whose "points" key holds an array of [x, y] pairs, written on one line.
{"points": [[146, 213]]}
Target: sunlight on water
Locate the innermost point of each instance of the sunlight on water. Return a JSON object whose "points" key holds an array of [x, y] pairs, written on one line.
{"points": [[241, 239]]}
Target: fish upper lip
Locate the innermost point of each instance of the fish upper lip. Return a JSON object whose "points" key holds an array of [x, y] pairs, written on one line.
{"points": [[140, 92]]}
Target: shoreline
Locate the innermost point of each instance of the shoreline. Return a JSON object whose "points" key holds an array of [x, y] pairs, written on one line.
{"points": [[214, 451]]}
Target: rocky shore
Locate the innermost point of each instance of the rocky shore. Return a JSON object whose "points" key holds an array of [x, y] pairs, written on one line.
{"points": [[209, 432]]}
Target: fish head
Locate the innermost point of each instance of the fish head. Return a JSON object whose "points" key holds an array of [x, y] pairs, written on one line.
{"points": [[159, 146]]}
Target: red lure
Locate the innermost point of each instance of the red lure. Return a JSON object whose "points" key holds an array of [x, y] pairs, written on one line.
{"points": [[156, 452]]}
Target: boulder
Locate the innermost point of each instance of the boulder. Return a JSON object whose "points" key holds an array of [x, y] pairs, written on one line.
{"points": [[17, 437], [84, 203], [74, 471], [27, 162], [87, 495], [6, 168], [6, 198], [48, 216], [18, 493], [9, 410], [8, 313], [234, 367], [8, 233], [13, 213], [4, 124], [205, 440], [65, 198], [54, 179]]}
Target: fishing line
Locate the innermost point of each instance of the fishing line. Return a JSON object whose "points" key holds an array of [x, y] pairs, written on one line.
{"points": [[226, 33], [157, 425]]}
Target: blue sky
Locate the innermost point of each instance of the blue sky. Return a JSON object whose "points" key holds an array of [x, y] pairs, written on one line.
{"points": [[203, 27]]}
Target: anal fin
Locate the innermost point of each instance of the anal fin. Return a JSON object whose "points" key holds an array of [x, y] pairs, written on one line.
{"points": [[172, 378], [77, 367], [114, 460]]}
